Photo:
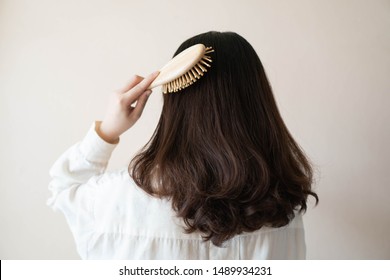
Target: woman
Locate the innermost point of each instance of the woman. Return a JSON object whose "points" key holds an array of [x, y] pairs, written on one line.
{"points": [[221, 177]]}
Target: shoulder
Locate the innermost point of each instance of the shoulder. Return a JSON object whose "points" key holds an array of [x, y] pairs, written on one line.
{"points": [[121, 207], [118, 184], [117, 190]]}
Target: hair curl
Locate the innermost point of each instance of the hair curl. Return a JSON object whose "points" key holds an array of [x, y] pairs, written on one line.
{"points": [[221, 151]]}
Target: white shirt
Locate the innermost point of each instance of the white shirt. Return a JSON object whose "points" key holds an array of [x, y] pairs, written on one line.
{"points": [[112, 218]]}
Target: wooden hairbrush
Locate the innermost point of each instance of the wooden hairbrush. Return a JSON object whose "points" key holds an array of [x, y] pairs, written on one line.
{"points": [[184, 69]]}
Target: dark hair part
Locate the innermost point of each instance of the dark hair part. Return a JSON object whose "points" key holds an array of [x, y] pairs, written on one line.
{"points": [[221, 151]]}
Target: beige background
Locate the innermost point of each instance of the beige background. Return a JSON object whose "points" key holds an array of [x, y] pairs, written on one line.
{"points": [[328, 63]]}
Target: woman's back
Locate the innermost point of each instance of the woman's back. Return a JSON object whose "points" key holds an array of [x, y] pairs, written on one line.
{"points": [[111, 218], [154, 232]]}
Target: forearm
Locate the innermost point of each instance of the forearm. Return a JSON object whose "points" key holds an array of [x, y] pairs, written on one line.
{"points": [[80, 163]]}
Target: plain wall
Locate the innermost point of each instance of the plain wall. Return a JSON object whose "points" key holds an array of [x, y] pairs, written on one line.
{"points": [[328, 63]]}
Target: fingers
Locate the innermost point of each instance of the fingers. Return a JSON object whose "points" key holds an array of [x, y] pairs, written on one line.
{"points": [[141, 102], [136, 91], [130, 84]]}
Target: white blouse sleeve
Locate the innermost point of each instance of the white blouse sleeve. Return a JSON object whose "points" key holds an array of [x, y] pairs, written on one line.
{"points": [[75, 182]]}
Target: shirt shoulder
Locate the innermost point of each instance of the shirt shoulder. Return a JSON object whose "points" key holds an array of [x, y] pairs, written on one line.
{"points": [[121, 207]]}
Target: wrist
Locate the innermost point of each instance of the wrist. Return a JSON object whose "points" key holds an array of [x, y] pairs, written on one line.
{"points": [[103, 133]]}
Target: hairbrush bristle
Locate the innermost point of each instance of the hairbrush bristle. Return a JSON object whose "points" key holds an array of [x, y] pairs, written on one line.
{"points": [[191, 76]]}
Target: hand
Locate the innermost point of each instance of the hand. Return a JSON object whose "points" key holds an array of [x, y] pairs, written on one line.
{"points": [[125, 108]]}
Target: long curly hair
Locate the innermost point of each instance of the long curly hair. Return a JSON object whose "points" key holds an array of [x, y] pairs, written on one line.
{"points": [[221, 152]]}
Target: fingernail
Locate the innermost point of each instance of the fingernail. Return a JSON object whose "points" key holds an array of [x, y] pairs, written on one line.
{"points": [[148, 92]]}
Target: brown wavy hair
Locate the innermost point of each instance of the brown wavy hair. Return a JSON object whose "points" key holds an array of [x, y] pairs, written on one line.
{"points": [[221, 152]]}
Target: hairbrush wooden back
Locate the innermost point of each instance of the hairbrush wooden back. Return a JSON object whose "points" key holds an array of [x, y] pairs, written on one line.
{"points": [[184, 69]]}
